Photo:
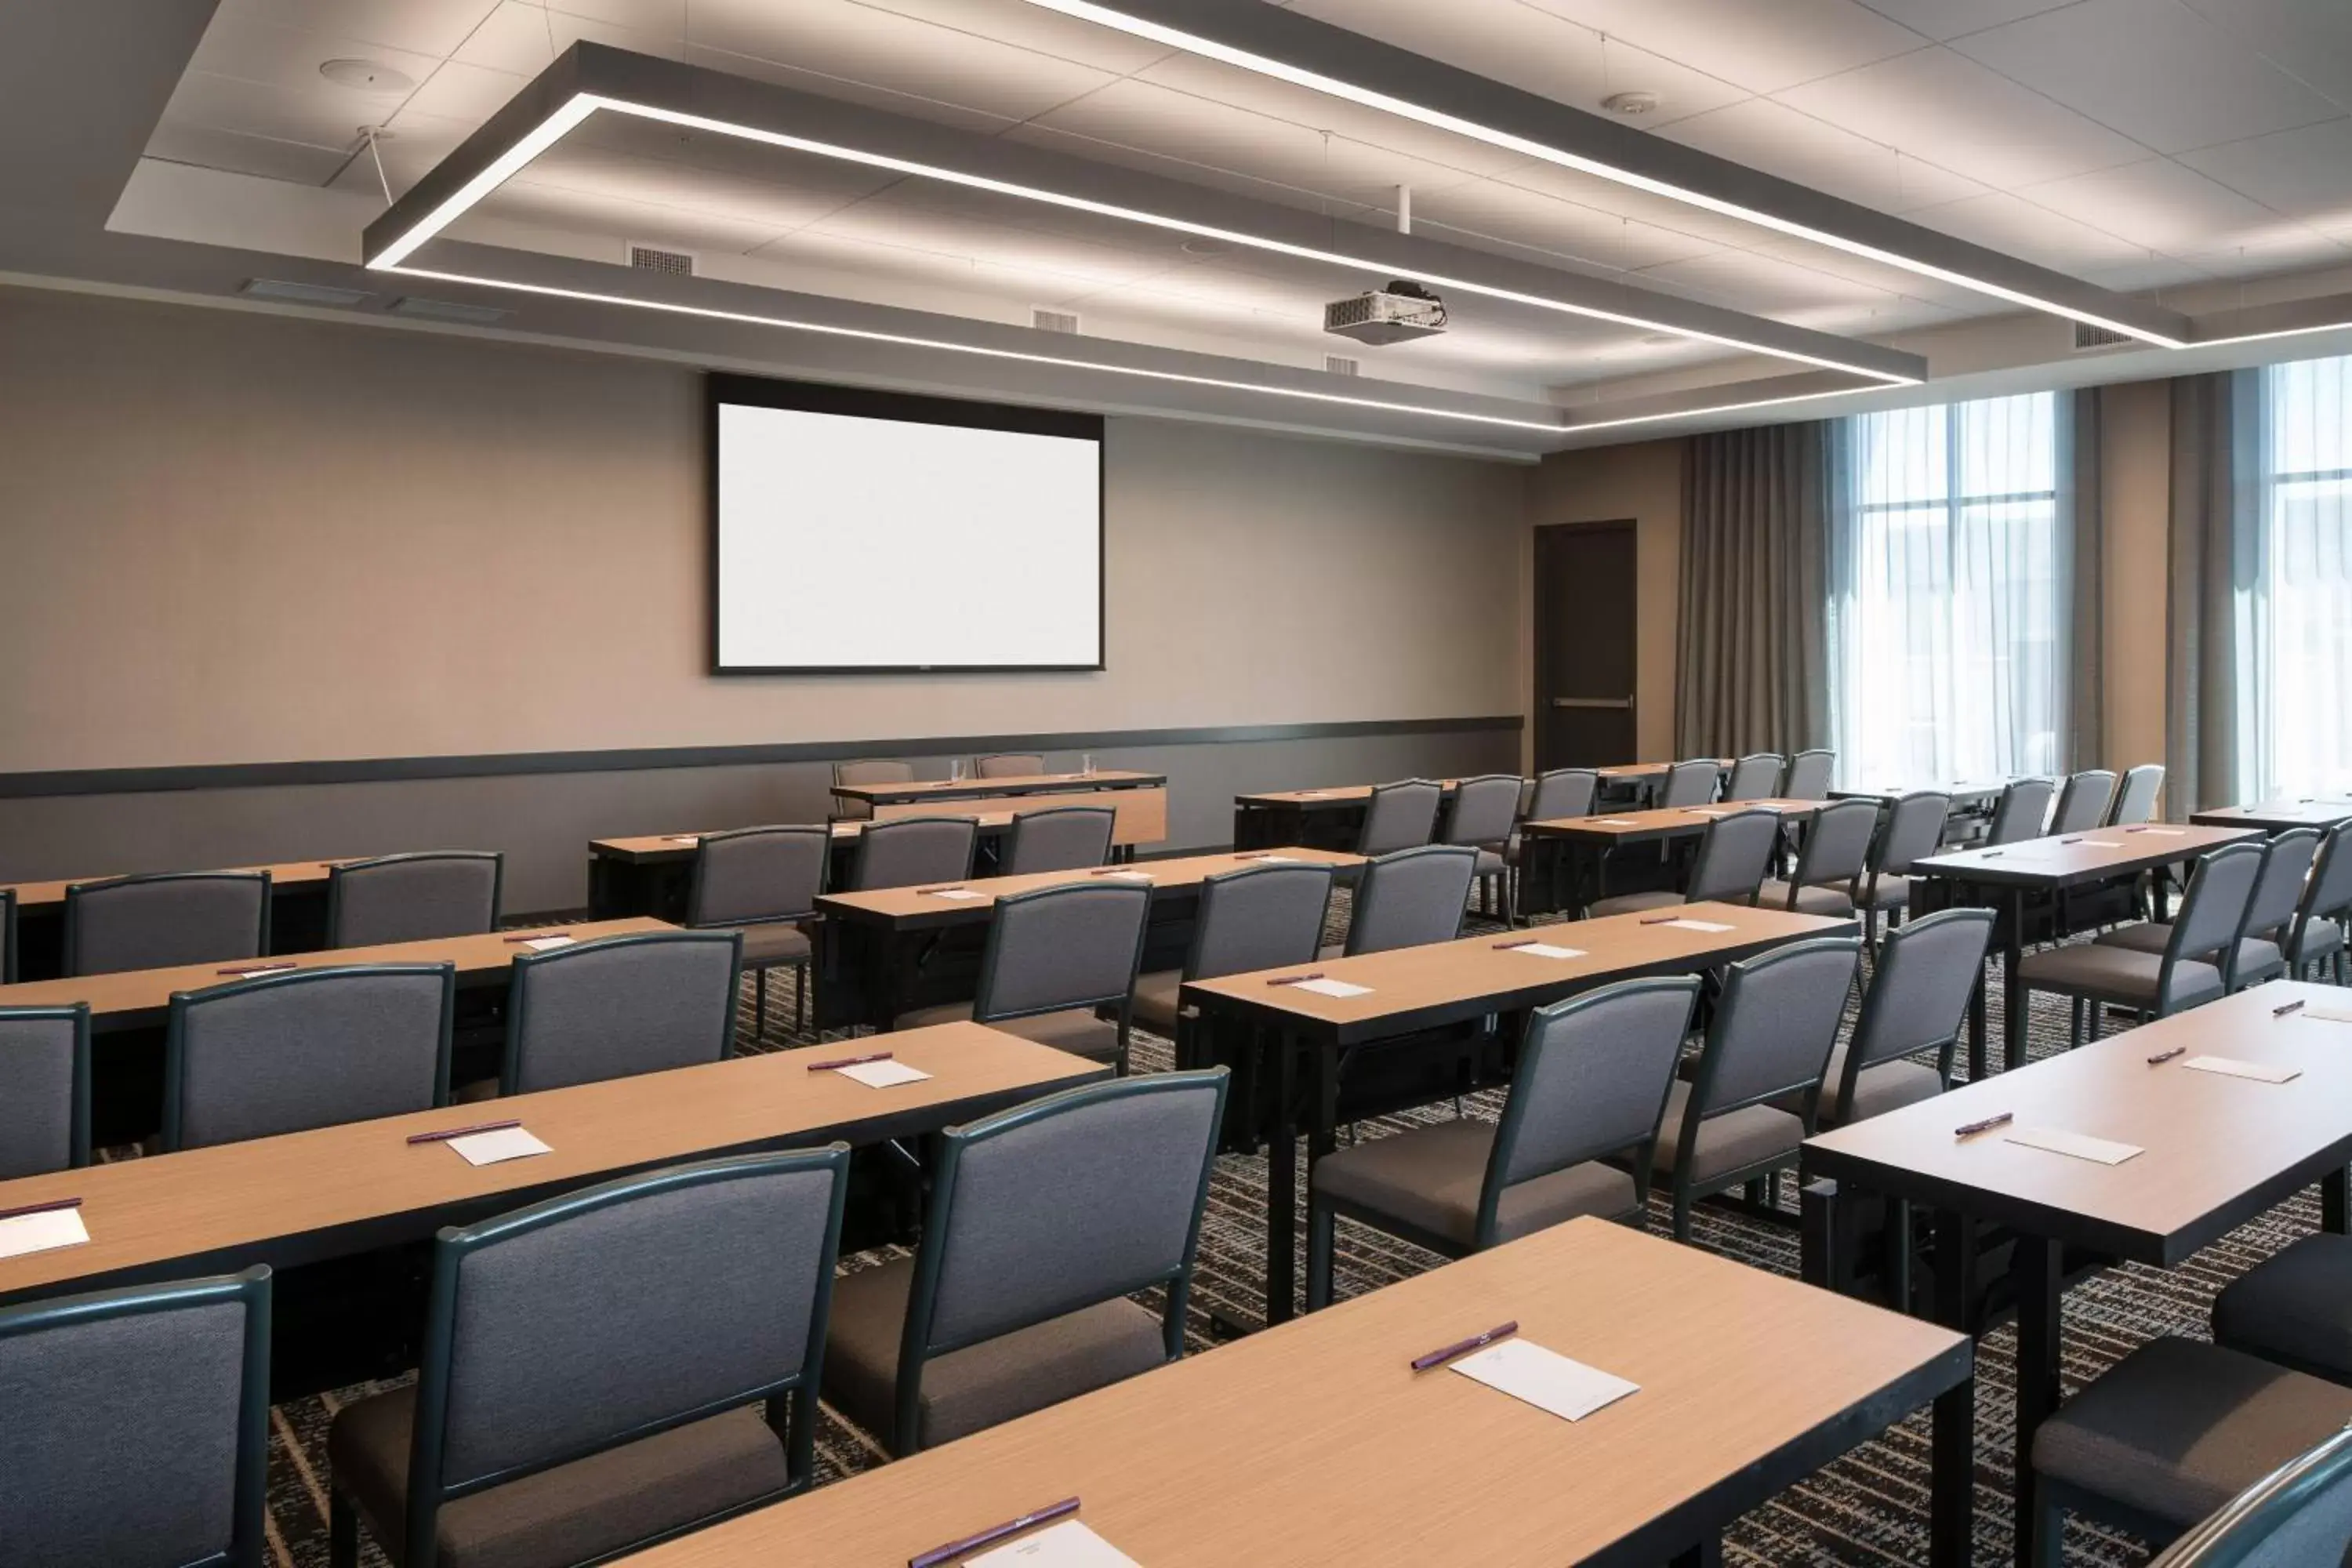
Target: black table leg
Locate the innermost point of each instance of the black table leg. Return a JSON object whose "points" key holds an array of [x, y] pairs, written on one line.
{"points": [[1282, 1186], [1977, 1029], [1818, 1205], [2041, 1282], [2334, 1201], [1897, 1264], [1952, 1498], [2012, 1023]]}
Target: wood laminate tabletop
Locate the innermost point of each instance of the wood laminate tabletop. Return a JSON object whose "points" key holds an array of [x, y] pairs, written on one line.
{"points": [[2095, 855], [140, 996], [1315, 1443], [1622, 771], [1962, 792], [31, 896], [305, 1195], [1614, 828], [2277, 816], [1330, 798], [909, 908], [965, 789]]}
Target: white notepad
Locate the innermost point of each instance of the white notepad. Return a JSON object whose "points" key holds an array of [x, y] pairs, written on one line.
{"points": [[1069, 1544], [961, 895], [2079, 1146], [547, 944], [2324, 1016], [256, 970], [1126, 877], [686, 838], [1546, 950], [1617, 822], [2230, 1067], [1545, 1379], [492, 1148], [1696, 925], [1331, 988], [2166, 832], [41, 1232], [2096, 844], [1276, 860], [882, 1075]]}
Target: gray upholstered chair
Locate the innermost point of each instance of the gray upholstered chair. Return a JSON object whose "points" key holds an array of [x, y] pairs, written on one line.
{"points": [[164, 921], [1009, 765], [1832, 864], [1400, 816], [1591, 1081], [2106, 973], [413, 898], [138, 1427], [1769, 1040], [2084, 803], [2316, 936], [868, 771], [1056, 960], [1914, 829], [1809, 774], [1260, 917], [2294, 1308], [2022, 812], [2170, 1436], [1690, 782], [1755, 776], [1043, 1221], [2135, 798], [1733, 852], [1060, 839], [603, 1371], [1409, 899], [908, 851], [619, 1007], [1563, 793], [2300, 1513], [1917, 1002], [43, 1089], [2271, 909], [313, 1048], [1481, 814], [762, 883]]}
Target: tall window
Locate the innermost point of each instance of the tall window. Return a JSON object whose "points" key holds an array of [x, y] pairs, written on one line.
{"points": [[2295, 637], [1947, 628]]}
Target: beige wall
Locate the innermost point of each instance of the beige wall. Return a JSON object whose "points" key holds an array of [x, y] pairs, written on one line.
{"points": [[232, 537], [2134, 422], [1642, 481]]}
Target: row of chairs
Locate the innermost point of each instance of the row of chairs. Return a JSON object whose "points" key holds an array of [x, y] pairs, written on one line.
{"points": [[702, 1300]]}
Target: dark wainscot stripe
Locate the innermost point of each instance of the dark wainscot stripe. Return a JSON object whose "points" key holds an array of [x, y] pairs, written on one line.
{"points": [[395, 770]]}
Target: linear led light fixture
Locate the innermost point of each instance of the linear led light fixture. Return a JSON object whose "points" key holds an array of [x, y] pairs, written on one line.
{"points": [[591, 77], [1295, 49]]}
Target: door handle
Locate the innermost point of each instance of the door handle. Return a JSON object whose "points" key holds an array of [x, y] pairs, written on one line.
{"points": [[1592, 703]]}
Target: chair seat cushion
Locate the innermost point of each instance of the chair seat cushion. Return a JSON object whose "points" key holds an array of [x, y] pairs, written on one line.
{"points": [[587, 1508], [773, 942], [2178, 1427], [2320, 938], [981, 1386], [1490, 864], [1832, 902], [2113, 974], [2140, 936], [1887, 893], [1732, 1142], [2294, 1308], [1634, 903], [1889, 1086], [1155, 1000], [1430, 1178], [2259, 958], [1073, 1029]]}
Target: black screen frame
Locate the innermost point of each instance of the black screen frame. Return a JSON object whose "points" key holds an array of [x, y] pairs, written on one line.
{"points": [[721, 388]]}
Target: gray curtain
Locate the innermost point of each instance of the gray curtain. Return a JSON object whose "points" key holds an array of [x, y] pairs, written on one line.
{"points": [[2082, 540], [1753, 674], [2213, 558]]}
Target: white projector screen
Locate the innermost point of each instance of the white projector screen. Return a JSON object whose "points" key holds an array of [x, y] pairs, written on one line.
{"points": [[860, 531]]}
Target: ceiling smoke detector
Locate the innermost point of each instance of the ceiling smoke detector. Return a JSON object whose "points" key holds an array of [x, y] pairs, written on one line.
{"points": [[367, 75], [1630, 103]]}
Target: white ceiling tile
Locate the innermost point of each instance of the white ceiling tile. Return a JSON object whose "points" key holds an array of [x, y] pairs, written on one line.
{"points": [[2309, 39], [320, 116], [913, 105], [249, 50], [1762, 47], [1765, 134], [1951, 111], [1761, 284], [2283, 248], [411, 144], [525, 40], [665, 20], [456, 90], [2157, 204], [1951, 18], [264, 157], [1071, 264], [2152, 272], [1029, 27], [2153, 69], [2307, 173], [2035, 234], [771, 206], [433, 27], [622, 222], [1512, 221]]}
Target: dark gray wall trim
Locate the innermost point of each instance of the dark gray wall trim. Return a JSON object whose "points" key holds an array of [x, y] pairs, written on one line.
{"points": [[501, 765]]}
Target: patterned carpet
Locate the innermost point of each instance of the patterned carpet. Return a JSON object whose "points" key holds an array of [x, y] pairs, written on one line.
{"points": [[1869, 1508]]}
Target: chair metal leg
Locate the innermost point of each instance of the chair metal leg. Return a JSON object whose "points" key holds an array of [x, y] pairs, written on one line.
{"points": [[2099, 1022], [800, 996], [1319, 1228], [760, 1008], [2074, 1026]]}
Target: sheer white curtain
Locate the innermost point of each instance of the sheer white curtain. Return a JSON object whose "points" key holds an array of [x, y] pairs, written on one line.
{"points": [[1948, 595], [2294, 630]]}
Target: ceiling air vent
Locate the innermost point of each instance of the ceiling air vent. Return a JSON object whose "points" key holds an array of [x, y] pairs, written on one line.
{"points": [[300, 293], [1054, 321], [449, 311], [1340, 365], [669, 263], [2087, 336]]}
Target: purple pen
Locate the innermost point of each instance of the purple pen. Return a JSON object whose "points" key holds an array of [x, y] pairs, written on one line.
{"points": [[1456, 1351], [939, 1555]]}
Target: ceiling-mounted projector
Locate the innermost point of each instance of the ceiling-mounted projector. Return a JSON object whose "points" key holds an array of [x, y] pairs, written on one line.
{"points": [[1392, 315]]}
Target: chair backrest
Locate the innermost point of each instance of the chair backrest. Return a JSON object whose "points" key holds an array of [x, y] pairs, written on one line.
{"points": [[2213, 910], [43, 1089], [1837, 846], [1260, 917], [156, 922], [2297, 1516], [1412, 898], [1775, 1026], [413, 898], [2329, 893], [1733, 852], [138, 1426], [1754, 777], [910, 850], [1060, 838], [1919, 991], [2136, 800], [619, 1007], [1809, 774], [1690, 783], [1483, 810], [1008, 765], [1914, 828], [2086, 801], [1563, 793], [1400, 815], [2286, 870], [316, 1048], [2025, 807], [1591, 1080], [874, 770], [1074, 945], [687, 1292], [756, 874], [1062, 1203]]}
